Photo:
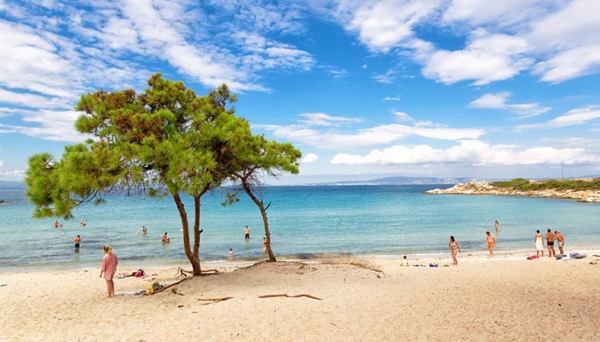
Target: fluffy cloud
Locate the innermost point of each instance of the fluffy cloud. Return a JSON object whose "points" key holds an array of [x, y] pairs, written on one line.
{"points": [[48, 124], [392, 98], [487, 58], [579, 116], [310, 158], [378, 135], [498, 101], [382, 25], [472, 152], [322, 119]]}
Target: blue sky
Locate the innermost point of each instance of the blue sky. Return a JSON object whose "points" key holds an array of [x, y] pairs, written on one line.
{"points": [[364, 89]]}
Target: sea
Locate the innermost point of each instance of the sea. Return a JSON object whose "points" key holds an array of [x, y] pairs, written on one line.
{"points": [[305, 221]]}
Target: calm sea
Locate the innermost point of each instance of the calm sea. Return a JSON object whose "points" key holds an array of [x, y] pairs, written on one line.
{"points": [[304, 221]]}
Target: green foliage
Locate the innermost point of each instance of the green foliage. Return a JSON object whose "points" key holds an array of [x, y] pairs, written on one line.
{"points": [[567, 184], [166, 140]]}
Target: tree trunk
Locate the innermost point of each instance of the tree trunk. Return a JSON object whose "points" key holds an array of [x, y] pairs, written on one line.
{"points": [[263, 212], [192, 257]]}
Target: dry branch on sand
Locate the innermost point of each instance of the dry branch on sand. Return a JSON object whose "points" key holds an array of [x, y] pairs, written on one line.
{"points": [[213, 300], [290, 296]]}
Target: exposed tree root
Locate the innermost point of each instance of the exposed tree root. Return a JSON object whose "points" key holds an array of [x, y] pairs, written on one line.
{"points": [[174, 291], [184, 273], [213, 300], [287, 295], [166, 287]]}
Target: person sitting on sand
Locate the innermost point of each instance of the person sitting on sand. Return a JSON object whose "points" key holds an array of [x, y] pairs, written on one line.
{"points": [[560, 242], [454, 248], [491, 243], [230, 254], [405, 261], [497, 225], [109, 268], [165, 239], [77, 241], [550, 242], [144, 230], [539, 243], [264, 245], [247, 233]]}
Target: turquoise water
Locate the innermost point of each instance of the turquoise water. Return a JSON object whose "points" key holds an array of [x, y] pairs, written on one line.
{"points": [[304, 221]]}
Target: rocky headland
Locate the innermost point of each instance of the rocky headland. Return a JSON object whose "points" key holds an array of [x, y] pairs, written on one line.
{"points": [[488, 188]]}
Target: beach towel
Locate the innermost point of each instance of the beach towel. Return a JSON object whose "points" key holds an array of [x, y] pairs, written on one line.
{"points": [[130, 293], [532, 257]]}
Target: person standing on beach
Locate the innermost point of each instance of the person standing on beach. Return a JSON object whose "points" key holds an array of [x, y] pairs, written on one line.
{"points": [[230, 254], [454, 248], [539, 243], [560, 242], [77, 241], [247, 233], [491, 242], [497, 225], [550, 242], [109, 268]]}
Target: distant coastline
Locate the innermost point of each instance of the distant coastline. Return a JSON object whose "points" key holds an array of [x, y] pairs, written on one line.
{"points": [[583, 190]]}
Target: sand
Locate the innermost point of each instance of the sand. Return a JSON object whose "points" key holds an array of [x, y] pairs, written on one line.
{"points": [[504, 299]]}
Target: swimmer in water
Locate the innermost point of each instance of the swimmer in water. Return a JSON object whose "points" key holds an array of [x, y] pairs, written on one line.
{"points": [[165, 239]]}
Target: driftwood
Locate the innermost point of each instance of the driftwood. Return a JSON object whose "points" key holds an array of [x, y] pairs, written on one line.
{"points": [[287, 295], [214, 300], [166, 287], [184, 273], [174, 291]]}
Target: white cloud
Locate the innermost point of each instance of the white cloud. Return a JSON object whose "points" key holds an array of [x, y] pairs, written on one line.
{"points": [[382, 25], [498, 101], [48, 125], [472, 152], [501, 13], [570, 64], [310, 158], [392, 98], [32, 100], [322, 119], [579, 116], [378, 135], [387, 78], [486, 58]]}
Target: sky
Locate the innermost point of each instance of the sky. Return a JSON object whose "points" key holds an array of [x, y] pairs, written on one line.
{"points": [[365, 89]]}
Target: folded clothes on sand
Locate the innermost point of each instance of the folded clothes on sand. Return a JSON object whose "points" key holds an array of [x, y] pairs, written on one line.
{"points": [[532, 257]]}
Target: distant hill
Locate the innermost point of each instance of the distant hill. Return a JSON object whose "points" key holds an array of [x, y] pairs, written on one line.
{"points": [[9, 185], [405, 181]]}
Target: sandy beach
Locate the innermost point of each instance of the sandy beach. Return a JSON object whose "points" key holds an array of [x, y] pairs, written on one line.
{"points": [[504, 298]]}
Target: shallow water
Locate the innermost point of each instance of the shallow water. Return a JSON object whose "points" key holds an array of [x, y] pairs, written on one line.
{"points": [[304, 221]]}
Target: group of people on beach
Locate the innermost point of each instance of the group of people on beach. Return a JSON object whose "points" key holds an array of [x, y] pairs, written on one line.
{"points": [[551, 238], [490, 241]]}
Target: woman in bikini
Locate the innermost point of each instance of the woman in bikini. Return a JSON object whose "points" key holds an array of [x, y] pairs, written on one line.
{"points": [[454, 248], [491, 243]]}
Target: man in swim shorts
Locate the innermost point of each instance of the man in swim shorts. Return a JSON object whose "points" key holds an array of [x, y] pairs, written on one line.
{"points": [[560, 241], [491, 243], [247, 233], [77, 241], [550, 242]]}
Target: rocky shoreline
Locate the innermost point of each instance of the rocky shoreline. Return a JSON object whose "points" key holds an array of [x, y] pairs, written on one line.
{"points": [[486, 188]]}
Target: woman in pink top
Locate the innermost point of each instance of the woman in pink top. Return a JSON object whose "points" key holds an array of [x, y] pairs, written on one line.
{"points": [[109, 268]]}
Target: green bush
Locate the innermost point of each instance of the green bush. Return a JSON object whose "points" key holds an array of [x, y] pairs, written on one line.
{"points": [[569, 184]]}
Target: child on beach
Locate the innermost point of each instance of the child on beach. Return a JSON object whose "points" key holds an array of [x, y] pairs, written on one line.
{"points": [[230, 254], [454, 248], [405, 262], [491, 242], [109, 268]]}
